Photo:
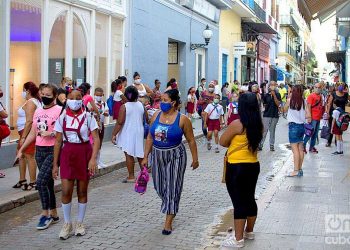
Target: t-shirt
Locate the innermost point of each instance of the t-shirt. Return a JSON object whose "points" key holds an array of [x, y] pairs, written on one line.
{"points": [[336, 114], [117, 96], [283, 93], [317, 109], [342, 99], [191, 98], [90, 124], [271, 109], [102, 108], [44, 120], [214, 111]]}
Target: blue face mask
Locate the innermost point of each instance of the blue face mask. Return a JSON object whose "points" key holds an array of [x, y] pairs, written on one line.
{"points": [[165, 106]]}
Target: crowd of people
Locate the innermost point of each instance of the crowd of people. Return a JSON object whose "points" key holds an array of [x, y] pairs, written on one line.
{"points": [[61, 131]]}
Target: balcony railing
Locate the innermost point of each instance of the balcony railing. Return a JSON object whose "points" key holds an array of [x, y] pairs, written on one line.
{"points": [[249, 3], [260, 12], [288, 20], [291, 51]]}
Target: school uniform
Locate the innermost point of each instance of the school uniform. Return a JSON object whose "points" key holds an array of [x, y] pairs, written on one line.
{"points": [[102, 109], [214, 111], [77, 150], [233, 107]]}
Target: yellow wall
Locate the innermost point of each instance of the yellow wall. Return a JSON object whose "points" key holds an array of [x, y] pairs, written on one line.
{"points": [[230, 32]]}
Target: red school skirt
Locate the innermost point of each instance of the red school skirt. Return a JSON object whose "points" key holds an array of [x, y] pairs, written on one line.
{"points": [[74, 161], [190, 107], [231, 118], [116, 108], [336, 130], [213, 125]]}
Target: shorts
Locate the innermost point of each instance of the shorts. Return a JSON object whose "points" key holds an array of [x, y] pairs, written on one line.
{"points": [[213, 125], [30, 150], [296, 132]]}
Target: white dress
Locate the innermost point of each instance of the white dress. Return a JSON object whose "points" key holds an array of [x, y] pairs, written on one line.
{"points": [[130, 138]]}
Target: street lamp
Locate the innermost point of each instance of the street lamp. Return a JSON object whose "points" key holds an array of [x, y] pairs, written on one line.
{"points": [[207, 34]]}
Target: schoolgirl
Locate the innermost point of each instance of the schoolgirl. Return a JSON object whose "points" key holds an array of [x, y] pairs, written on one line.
{"points": [[233, 109], [77, 158]]}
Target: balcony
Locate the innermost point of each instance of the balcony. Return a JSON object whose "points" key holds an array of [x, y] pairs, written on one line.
{"points": [[260, 12], [288, 21], [291, 51], [249, 3]]}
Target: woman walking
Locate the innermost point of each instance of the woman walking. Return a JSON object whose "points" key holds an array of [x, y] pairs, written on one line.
{"points": [[130, 130], [42, 133], [77, 159], [296, 119], [168, 156], [24, 124], [242, 139]]}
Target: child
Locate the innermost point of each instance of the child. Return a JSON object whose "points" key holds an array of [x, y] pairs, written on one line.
{"points": [[213, 120], [104, 112], [191, 102], [336, 130], [77, 159], [233, 109], [118, 97]]}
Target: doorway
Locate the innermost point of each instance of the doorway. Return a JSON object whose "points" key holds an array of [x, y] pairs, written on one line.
{"points": [[224, 69], [200, 65]]}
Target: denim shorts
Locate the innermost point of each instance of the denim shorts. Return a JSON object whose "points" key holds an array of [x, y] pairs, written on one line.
{"points": [[296, 132]]}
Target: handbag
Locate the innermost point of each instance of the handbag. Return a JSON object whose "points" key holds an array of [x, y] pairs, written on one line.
{"points": [[141, 181], [4, 130], [309, 129], [325, 132], [227, 154]]}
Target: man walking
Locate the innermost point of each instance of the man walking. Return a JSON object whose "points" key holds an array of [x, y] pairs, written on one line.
{"points": [[271, 101], [314, 113]]}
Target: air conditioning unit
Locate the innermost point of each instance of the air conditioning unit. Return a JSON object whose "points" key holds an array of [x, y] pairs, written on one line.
{"points": [[187, 3]]}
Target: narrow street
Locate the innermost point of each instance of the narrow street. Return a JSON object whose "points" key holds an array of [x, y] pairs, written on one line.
{"points": [[119, 218]]}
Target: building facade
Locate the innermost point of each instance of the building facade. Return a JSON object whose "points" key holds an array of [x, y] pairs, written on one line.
{"points": [[45, 40]]}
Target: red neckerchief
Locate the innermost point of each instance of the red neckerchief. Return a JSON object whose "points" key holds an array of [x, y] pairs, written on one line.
{"points": [[75, 116]]}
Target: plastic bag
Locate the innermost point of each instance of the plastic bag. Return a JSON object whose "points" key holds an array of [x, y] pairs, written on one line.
{"points": [[141, 181]]}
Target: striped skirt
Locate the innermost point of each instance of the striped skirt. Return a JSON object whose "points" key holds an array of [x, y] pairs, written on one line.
{"points": [[168, 171]]}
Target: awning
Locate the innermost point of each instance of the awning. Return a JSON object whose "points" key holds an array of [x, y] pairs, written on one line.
{"points": [[336, 56], [261, 27], [281, 73]]}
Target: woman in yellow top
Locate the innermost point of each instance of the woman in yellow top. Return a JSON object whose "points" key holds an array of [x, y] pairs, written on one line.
{"points": [[242, 138]]}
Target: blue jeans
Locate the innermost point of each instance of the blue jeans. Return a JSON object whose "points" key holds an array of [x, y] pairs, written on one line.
{"points": [[316, 125]]}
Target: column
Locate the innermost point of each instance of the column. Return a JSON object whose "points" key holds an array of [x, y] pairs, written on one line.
{"points": [[68, 63], [45, 36]]}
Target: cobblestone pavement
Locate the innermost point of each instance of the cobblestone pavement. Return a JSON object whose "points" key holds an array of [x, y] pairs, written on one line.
{"points": [[118, 218]]}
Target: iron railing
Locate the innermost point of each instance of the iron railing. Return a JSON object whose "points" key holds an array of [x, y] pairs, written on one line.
{"points": [[289, 21]]}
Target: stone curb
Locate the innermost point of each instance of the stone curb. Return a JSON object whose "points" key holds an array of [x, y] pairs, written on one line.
{"points": [[34, 195]]}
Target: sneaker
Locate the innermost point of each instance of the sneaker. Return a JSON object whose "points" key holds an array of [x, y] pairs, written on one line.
{"points": [[55, 219], [44, 222], [67, 231], [336, 153], [208, 145], [231, 242], [313, 150], [79, 229], [272, 148], [248, 235], [217, 150]]}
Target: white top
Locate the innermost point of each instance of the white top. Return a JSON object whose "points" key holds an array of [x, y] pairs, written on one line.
{"points": [[102, 108], [130, 137], [21, 114], [189, 98], [117, 96], [336, 114], [142, 92], [1, 107], [296, 116], [90, 124], [214, 111], [217, 90]]}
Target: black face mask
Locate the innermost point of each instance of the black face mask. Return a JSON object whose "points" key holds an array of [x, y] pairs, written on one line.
{"points": [[47, 100]]}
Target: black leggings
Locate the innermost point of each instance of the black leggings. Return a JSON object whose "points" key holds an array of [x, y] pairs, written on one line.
{"points": [[241, 181]]}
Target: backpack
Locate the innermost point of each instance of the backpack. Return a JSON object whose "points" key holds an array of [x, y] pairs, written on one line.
{"points": [[141, 181], [110, 103], [343, 120]]}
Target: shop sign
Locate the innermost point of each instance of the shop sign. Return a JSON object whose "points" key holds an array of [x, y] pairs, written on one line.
{"points": [[58, 68], [244, 48]]}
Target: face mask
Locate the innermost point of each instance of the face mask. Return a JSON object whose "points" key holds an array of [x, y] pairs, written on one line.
{"points": [[98, 98], [211, 90], [317, 91], [216, 101], [47, 100], [138, 81], [165, 106], [24, 95], [74, 104], [340, 88], [272, 88], [204, 83], [1, 94], [235, 99]]}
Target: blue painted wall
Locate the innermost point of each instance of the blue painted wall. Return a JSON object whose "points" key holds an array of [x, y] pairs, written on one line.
{"points": [[152, 24]]}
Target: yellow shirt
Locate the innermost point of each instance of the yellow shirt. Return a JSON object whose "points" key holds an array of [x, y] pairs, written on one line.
{"points": [[241, 154], [283, 93]]}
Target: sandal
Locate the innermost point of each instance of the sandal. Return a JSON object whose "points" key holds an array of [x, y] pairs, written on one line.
{"points": [[126, 180], [20, 184], [2, 175], [30, 186]]}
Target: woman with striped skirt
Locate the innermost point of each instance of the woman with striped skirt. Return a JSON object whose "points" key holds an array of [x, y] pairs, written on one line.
{"points": [[168, 157]]}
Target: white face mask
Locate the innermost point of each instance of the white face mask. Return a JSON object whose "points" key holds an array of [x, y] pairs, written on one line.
{"points": [[74, 104], [24, 95], [211, 89], [98, 98], [138, 81]]}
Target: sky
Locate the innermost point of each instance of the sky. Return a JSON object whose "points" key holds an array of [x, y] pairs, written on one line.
{"points": [[323, 36]]}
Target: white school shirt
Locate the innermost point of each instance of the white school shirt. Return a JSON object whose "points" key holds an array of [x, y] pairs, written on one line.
{"points": [[90, 124], [214, 111], [102, 108], [117, 96], [336, 114], [189, 98]]}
